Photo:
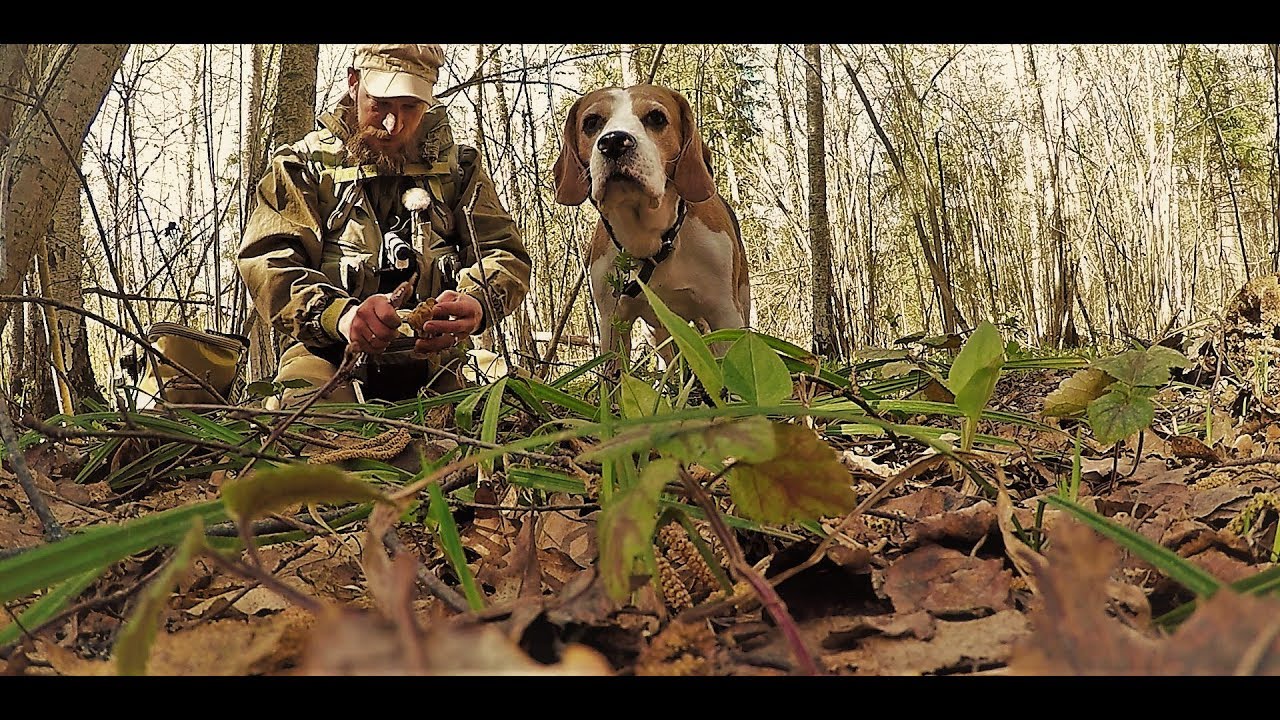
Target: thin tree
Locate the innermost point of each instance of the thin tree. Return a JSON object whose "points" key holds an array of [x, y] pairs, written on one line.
{"points": [[824, 334], [46, 145]]}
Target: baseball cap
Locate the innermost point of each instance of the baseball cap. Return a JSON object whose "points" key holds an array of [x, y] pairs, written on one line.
{"points": [[399, 70]]}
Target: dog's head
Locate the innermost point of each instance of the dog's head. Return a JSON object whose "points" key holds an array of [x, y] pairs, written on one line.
{"points": [[632, 141]]}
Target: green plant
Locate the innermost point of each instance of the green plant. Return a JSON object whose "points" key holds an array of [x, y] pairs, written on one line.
{"points": [[973, 377], [1115, 392]]}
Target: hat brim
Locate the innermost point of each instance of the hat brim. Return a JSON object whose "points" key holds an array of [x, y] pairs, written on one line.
{"points": [[385, 84]]}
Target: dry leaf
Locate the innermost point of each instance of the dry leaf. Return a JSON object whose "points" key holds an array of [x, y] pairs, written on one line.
{"points": [[1186, 446], [947, 583], [955, 646]]}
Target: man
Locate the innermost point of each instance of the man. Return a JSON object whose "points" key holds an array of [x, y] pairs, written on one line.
{"points": [[379, 190]]}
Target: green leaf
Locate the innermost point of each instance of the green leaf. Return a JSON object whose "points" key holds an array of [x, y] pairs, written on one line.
{"points": [[520, 387], [451, 543], [805, 481], [788, 350], [262, 492], [213, 429], [296, 383], [1119, 414], [699, 441], [693, 348], [976, 369], [97, 547], [750, 439], [754, 372], [552, 394], [464, 411], [1168, 356], [49, 605], [133, 644], [1076, 392], [260, 388], [949, 341], [639, 399], [1149, 368], [625, 531], [492, 411]]}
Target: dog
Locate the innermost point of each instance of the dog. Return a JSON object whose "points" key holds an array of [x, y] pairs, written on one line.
{"points": [[637, 154]]}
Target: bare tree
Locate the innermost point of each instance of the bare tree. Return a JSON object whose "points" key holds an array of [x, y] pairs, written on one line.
{"points": [[824, 333], [292, 116], [46, 144]]}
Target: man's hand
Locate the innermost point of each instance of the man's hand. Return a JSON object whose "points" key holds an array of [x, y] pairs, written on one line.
{"points": [[371, 325], [455, 317]]}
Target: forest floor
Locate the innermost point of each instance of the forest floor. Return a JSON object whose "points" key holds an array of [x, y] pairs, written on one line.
{"points": [[924, 582]]}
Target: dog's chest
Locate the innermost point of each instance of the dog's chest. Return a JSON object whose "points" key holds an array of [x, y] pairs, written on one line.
{"points": [[692, 278]]}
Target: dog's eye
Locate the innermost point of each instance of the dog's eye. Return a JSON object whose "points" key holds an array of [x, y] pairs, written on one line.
{"points": [[591, 123], [655, 119]]}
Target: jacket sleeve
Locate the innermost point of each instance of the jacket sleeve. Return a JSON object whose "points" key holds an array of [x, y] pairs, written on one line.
{"points": [[280, 255], [499, 276]]}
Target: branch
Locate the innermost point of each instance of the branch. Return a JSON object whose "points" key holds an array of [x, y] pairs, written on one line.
{"points": [[738, 562], [52, 530]]}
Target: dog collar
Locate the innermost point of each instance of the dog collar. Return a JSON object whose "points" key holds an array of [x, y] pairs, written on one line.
{"points": [[648, 264]]}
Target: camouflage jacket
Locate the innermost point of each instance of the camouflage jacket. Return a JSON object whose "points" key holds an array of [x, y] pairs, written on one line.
{"points": [[313, 244]]}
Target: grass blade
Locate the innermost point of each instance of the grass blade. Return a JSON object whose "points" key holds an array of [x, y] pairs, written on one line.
{"points": [[451, 543], [1166, 561]]}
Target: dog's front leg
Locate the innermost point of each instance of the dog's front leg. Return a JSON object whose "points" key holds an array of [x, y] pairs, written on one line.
{"points": [[718, 318]]}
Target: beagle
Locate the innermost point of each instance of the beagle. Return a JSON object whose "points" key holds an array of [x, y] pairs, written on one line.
{"points": [[636, 153]]}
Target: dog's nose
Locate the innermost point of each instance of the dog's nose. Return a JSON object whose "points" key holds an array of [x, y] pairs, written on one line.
{"points": [[615, 144]]}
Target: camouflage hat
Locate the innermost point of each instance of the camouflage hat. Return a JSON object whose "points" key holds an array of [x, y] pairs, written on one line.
{"points": [[399, 70]]}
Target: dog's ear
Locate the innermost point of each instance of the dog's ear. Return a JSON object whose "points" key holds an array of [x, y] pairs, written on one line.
{"points": [[692, 175], [570, 172]]}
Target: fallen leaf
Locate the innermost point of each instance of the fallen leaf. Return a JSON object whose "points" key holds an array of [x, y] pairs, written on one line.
{"points": [[260, 600], [955, 646], [1186, 446], [947, 583]]}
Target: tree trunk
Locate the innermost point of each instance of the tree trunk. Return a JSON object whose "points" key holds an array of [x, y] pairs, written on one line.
{"points": [[523, 332], [66, 272], [295, 112], [824, 344], [292, 117], [46, 143], [41, 399], [1060, 327]]}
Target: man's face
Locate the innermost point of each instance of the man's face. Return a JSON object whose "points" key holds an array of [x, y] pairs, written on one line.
{"points": [[385, 128]]}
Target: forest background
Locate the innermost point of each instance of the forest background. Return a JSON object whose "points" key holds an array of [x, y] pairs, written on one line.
{"points": [[1076, 195]]}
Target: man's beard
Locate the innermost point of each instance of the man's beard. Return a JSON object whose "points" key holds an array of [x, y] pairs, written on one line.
{"points": [[362, 150]]}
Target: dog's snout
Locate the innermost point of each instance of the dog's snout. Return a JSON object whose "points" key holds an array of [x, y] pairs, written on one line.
{"points": [[615, 144]]}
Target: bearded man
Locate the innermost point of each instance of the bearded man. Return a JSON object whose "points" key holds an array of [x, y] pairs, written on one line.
{"points": [[378, 191]]}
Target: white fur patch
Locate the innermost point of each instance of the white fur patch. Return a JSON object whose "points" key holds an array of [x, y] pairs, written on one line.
{"points": [[643, 163]]}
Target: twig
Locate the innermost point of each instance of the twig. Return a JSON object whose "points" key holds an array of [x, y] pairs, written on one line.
{"points": [[52, 530], [738, 562], [365, 417], [657, 58], [550, 354], [451, 597], [873, 499], [95, 602], [350, 357], [126, 296], [495, 317], [67, 433], [260, 574]]}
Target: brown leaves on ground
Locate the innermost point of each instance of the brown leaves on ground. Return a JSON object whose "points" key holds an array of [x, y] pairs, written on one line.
{"points": [[924, 582], [1074, 634]]}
